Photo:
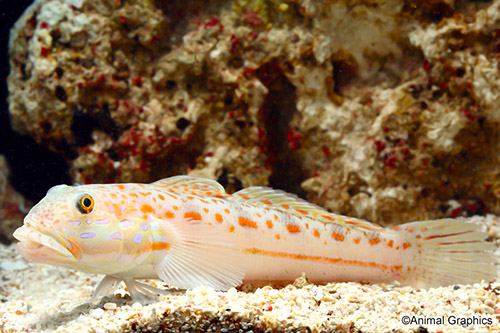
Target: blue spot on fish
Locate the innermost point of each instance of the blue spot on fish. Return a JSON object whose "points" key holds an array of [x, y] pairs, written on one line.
{"points": [[87, 235], [125, 223], [144, 227], [103, 221], [74, 223], [115, 235], [138, 238]]}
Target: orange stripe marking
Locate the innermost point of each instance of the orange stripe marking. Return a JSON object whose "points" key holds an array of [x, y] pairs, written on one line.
{"points": [[323, 260], [157, 246], [244, 222]]}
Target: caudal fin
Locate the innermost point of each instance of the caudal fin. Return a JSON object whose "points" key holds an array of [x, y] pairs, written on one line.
{"points": [[448, 251]]}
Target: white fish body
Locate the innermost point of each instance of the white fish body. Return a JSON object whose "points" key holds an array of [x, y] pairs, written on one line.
{"points": [[188, 232]]}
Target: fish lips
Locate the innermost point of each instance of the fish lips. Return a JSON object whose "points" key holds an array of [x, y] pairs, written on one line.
{"points": [[38, 247]]}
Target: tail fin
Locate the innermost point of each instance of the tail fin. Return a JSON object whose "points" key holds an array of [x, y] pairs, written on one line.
{"points": [[448, 251]]}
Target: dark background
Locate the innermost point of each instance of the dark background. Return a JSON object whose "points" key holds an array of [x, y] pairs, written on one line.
{"points": [[34, 169]]}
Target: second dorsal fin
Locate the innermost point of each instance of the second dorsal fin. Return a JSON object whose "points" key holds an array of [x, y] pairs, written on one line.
{"points": [[270, 198]]}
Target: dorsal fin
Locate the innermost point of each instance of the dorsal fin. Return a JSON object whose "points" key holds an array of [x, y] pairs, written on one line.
{"points": [[270, 198], [192, 185]]}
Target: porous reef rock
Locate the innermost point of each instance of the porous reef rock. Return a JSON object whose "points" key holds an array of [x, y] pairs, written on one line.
{"points": [[384, 110], [13, 206]]}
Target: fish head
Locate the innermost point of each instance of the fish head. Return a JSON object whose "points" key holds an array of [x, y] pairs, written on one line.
{"points": [[72, 226]]}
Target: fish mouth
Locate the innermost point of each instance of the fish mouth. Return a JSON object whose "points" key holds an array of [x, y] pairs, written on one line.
{"points": [[41, 248]]}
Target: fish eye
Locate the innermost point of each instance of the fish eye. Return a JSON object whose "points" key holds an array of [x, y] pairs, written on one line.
{"points": [[85, 204]]}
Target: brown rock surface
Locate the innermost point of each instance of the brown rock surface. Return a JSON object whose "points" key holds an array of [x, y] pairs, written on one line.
{"points": [[375, 109]]}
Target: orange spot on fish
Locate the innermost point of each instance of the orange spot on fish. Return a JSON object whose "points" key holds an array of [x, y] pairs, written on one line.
{"points": [[157, 246], [406, 245], [145, 194], [192, 215], [301, 211], [285, 206], [205, 210], [169, 215], [316, 233], [418, 236], [292, 228], [244, 222], [189, 197], [226, 211], [208, 193], [356, 240], [275, 217], [121, 187], [218, 218], [175, 207], [374, 241], [390, 243], [161, 197], [338, 237], [269, 224], [231, 228], [328, 217], [267, 202], [277, 236], [113, 195], [246, 197], [134, 195], [147, 209]]}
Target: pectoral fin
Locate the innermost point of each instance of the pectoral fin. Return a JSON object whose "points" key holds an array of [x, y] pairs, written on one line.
{"points": [[200, 255]]}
